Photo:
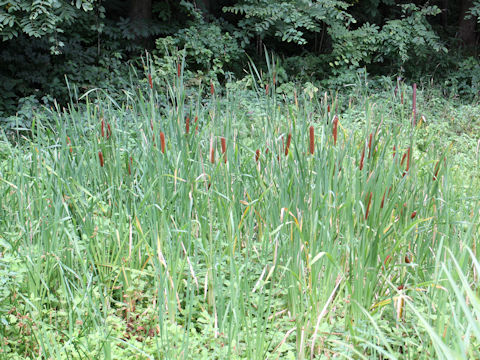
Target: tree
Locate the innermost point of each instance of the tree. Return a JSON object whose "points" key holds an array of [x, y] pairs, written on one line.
{"points": [[38, 18]]}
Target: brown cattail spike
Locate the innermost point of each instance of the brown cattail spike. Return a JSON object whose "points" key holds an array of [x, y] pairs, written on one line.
{"points": [[102, 128], [109, 131], [179, 69], [361, 159], [312, 140], [162, 142], [289, 140], [257, 155], [212, 89], [223, 142], [437, 168], [212, 151], [196, 125], [266, 89], [383, 200], [412, 216], [335, 129], [187, 125], [150, 82], [100, 157]]}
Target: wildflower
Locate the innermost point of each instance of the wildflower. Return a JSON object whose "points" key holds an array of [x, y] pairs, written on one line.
{"points": [[100, 157], [289, 139], [162, 142], [312, 140]]}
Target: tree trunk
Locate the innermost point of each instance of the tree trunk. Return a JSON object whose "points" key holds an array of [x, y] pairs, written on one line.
{"points": [[466, 27]]}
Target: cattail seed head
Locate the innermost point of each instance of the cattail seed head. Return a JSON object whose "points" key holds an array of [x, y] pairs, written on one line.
{"points": [[335, 129], [289, 140], [179, 69], [257, 155], [102, 128], [100, 157], [212, 89], [266, 89], [187, 125], [223, 142], [437, 168], [412, 216], [361, 159], [383, 200], [196, 125], [212, 151], [312, 140], [109, 131], [162, 142], [370, 145], [150, 81]]}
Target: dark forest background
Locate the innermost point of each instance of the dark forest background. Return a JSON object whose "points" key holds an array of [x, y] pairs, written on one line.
{"points": [[47, 44]]}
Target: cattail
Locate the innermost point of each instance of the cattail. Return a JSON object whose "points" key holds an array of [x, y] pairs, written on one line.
{"points": [[223, 142], [394, 151], [387, 260], [69, 143], [109, 131], [312, 140], [266, 151], [100, 157], [212, 151], [401, 97], [383, 200], [370, 145], [412, 216], [162, 142], [361, 159], [407, 259], [187, 125], [414, 103], [403, 159], [274, 79], [129, 166], [368, 206], [335, 128], [150, 81], [408, 162], [179, 69], [289, 139], [196, 125], [102, 128], [328, 108], [212, 89], [437, 168], [266, 90], [257, 155], [151, 124]]}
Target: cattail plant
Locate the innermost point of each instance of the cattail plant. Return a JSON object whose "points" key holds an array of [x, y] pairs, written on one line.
{"points": [[414, 103], [383, 199], [196, 124], [212, 89], [162, 142], [394, 151], [368, 206], [223, 142], [362, 158], [212, 151], [109, 131], [179, 69], [312, 140], [102, 128], [187, 125], [289, 140], [266, 89], [257, 155], [435, 170], [150, 82], [335, 129], [412, 216], [70, 144], [370, 145], [100, 157]]}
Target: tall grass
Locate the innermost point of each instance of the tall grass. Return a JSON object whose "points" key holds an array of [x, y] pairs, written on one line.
{"points": [[255, 237]]}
